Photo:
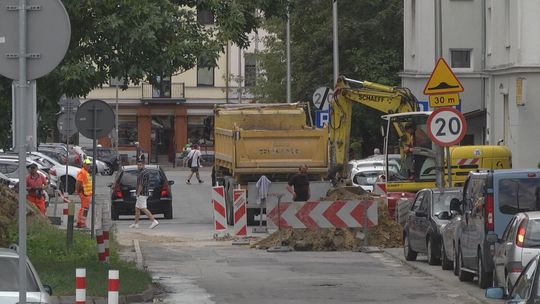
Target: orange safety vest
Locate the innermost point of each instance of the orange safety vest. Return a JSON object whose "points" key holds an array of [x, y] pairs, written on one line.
{"points": [[86, 181]]}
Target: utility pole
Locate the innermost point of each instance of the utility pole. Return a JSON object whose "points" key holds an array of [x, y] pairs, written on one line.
{"points": [[439, 54], [335, 40], [288, 56]]}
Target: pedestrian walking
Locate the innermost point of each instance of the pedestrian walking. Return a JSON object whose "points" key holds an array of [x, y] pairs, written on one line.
{"points": [[298, 185], [139, 152], [36, 183], [143, 184], [194, 162], [83, 187]]}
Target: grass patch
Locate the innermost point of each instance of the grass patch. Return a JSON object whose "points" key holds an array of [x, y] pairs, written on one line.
{"points": [[46, 247]]}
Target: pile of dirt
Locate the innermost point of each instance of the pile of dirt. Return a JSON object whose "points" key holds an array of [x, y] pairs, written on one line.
{"points": [[387, 234], [8, 214]]}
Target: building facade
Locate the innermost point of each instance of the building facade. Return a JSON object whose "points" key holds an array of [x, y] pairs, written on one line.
{"points": [[494, 50], [166, 117]]}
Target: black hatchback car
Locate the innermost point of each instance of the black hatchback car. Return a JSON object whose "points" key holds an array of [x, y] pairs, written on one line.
{"points": [[429, 212], [123, 192]]}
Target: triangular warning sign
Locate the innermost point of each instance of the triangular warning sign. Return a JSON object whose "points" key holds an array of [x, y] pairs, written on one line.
{"points": [[442, 80]]}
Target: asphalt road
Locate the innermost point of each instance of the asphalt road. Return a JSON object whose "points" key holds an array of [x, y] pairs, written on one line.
{"points": [[183, 257]]}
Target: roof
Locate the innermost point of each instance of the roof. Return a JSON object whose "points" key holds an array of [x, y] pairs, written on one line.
{"points": [[6, 252], [446, 190], [134, 167]]}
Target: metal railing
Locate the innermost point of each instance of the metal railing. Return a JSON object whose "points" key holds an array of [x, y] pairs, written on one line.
{"points": [[169, 91]]}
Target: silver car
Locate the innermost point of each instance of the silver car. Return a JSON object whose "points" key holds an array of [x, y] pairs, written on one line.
{"points": [[9, 280], [519, 243]]}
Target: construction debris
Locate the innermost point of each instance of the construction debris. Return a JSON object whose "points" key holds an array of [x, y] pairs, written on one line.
{"points": [[387, 234]]}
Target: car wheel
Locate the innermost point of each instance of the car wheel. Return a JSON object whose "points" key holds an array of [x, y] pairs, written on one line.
{"points": [[71, 184], [168, 214], [114, 214], [432, 258], [463, 275], [108, 170], [410, 255], [485, 278], [456, 264], [446, 264]]}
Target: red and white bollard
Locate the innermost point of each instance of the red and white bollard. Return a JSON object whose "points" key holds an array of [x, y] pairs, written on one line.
{"points": [[106, 242], [100, 245], [80, 286], [240, 217], [220, 213], [114, 286]]}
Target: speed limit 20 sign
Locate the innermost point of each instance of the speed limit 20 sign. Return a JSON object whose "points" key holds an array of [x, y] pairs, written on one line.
{"points": [[446, 126]]}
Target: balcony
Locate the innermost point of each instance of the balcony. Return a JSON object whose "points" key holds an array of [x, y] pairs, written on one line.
{"points": [[166, 93]]}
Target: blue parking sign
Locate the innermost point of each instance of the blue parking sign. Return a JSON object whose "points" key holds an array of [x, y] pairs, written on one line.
{"points": [[321, 118]]}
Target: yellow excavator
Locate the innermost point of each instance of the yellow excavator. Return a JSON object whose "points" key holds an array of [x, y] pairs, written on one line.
{"points": [[405, 134]]}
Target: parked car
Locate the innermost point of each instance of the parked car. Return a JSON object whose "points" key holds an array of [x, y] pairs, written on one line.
{"points": [[106, 155], [519, 243], [61, 171], [9, 291], [75, 158], [447, 234], [526, 290], [429, 212], [490, 199], [123, 192]]}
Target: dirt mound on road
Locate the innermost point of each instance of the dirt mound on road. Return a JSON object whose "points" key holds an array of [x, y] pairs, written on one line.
{"points": [[387, 234]]}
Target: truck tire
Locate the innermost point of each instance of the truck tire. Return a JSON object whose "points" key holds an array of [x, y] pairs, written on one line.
{"points": [[485, 278]]}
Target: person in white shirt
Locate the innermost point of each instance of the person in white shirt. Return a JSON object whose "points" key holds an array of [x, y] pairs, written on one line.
{"points": [[194, 162]]}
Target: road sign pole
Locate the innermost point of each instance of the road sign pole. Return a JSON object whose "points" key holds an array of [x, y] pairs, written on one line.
{"points": [[449, 166], [22, 103], [94, 124]]}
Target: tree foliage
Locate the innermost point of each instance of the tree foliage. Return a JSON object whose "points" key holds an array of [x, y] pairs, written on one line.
{"points": [[370, 48], [139, 40]]}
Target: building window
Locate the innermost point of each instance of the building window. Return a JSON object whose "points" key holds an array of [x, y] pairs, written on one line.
{"points": [[205, 17], [460, 58], [195, 129], [205, 74], [250, 69], [127, 130]]}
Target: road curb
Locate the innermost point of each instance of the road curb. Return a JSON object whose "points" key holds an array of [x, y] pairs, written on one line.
{"points": [[441, 279]]}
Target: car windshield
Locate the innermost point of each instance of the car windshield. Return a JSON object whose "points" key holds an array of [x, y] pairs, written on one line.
{"points": [[519, 195], [9, 276], [367, 177], [441, 201], [129, 178]]}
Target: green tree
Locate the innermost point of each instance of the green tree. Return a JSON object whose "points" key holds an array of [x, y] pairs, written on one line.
{"points": [[370, 48], [139, 40]]}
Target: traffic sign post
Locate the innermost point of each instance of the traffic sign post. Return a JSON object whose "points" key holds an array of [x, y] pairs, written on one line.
{"points": [[447, 127], [322, 97]]}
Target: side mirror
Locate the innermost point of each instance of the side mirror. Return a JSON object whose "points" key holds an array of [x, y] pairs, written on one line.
{"points": [[495, 293], [171, 183], [48, 289], [445, 215], [109, 185], [420, 214], [455, 205]]}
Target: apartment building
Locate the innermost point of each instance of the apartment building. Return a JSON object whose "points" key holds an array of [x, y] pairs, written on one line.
{"points": [[494, 49], [164, 118]]}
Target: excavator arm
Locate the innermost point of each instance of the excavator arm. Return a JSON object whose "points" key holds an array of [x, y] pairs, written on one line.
{"points": [[385, 99]]}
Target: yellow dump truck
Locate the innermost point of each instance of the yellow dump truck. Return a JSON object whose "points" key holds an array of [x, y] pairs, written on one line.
{"points": [[265, 139]]}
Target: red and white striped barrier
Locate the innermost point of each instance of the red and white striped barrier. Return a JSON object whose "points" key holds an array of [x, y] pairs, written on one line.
{"points": [[240, 216], [467, 161], [322, 214], [220, 211], [106, 242], [114, 286], [65, 204], [80, 286], [100, 245]]}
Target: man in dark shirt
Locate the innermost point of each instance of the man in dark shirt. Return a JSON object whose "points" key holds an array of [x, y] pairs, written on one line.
{"points": [[299, 185]]}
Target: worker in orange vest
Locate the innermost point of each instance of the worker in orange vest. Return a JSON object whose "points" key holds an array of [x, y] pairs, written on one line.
{"points": [[84, 189], [36, 183]]}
